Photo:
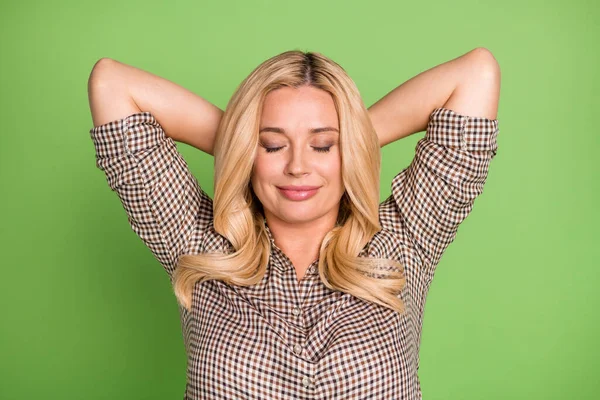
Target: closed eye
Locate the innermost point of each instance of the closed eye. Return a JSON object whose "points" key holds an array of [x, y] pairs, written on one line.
{"points": [[319, 149]]}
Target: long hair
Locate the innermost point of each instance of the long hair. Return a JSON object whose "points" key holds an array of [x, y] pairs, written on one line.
{"points": [[238, 214]]}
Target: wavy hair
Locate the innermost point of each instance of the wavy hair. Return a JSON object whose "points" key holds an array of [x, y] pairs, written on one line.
{"points": [[238, 214]]}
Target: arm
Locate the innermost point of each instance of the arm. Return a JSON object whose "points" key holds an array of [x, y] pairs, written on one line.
{"points": [[469, 84], [436, 192], [116, 89], [165, 205]]}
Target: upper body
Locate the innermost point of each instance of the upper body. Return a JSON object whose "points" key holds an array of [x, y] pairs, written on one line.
{"points": [[290, 336], [241, 341]]}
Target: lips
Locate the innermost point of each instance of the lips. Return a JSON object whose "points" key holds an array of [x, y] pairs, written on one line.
{"points": [[298, 188], [298, 193]]}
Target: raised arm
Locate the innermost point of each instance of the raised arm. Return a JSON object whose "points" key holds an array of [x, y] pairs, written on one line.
{"points": [[116, 90], [456, 103], [469, 84], [137, 118]]}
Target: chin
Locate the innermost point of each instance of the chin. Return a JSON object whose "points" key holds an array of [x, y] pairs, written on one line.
{"points": [[297, 215], [296, 219]]}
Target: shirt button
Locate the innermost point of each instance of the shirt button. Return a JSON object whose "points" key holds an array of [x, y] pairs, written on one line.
{"points": [[296, 311], [298, 349], [311, 269], [306, 381]]}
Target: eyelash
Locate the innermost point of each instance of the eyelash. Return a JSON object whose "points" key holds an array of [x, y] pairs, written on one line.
{"points": [[319, 149]]}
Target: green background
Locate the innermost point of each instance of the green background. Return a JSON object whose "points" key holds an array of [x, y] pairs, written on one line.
{"points": [[88, 313]]}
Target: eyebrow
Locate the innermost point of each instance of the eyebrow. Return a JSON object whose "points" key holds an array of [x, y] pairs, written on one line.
{"points": [[314, 130]]}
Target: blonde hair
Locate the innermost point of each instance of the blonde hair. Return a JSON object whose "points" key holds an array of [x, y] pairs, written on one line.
{"points": [[238, 214]]}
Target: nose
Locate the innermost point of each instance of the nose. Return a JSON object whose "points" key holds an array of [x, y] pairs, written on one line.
{"points": [[297, 163]]}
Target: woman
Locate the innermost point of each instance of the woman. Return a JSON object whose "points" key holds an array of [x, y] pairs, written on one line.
{"points": [[294, 282]]}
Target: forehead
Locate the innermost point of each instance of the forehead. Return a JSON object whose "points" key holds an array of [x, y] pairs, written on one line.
{"points": [[305, 106]]}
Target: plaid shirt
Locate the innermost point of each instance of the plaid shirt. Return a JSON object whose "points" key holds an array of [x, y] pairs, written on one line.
{"points": [[284, 339]]}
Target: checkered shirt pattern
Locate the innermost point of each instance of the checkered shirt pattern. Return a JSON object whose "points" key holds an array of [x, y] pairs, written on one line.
{"points": [[284, 339]]}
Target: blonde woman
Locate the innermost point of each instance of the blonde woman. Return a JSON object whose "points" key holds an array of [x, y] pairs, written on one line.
{"points": [[294, 282]]}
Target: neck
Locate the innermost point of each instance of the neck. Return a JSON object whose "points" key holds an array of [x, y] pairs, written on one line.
{"points": [[300, 241]]}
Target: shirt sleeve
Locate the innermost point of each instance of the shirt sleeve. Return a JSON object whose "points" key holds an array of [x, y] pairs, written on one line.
{"points": [[164, 203], [436, 192]]}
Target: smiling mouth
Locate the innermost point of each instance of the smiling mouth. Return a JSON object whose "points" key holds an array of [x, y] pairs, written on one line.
{"points": [[298, 193]]}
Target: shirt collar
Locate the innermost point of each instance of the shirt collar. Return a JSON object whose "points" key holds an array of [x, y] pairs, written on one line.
{"points": [[269, 234]]}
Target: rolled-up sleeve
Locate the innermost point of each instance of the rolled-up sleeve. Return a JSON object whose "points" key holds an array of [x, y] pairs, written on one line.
{"points": [[164, 203], [436, 192]]}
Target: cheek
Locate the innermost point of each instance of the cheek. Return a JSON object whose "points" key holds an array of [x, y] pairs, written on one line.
{"points": [[332, 170], [262, 170]]}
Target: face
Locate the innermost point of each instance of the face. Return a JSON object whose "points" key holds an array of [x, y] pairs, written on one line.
{"points": [[298, 149]]}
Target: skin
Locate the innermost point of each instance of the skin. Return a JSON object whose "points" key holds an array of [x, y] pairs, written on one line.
{"points": [[299, 157]]}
